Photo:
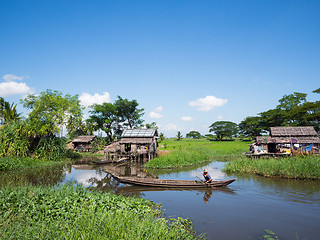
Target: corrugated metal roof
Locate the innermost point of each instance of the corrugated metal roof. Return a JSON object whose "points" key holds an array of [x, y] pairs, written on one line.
{"points": [[139, 133], [136, 140]]}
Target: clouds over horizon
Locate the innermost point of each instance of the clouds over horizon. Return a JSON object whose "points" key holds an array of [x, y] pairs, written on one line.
{"points": [[87, 99], [208, 103], [156, 113], [11, 87]]}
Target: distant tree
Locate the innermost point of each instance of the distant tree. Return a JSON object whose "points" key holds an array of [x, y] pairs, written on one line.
{"points": [[209, 136], [129, 115], [272, 118], [161, 137], [250, 127], [179, 136], [193, 134], [224, 129], [151, 125]]}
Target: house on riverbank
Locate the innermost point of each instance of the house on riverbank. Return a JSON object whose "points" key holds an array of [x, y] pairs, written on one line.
{"points": [[134, 144], [287, 140], [83, 143]]}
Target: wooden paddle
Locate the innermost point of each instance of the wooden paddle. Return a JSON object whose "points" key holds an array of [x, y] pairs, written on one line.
{"points": [[207, 183]]}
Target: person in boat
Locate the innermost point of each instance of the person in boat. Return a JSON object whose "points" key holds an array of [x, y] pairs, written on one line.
{"points": [[207, 177]]}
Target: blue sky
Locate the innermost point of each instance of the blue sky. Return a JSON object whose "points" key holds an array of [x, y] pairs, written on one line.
{"points": [[187, 63]]}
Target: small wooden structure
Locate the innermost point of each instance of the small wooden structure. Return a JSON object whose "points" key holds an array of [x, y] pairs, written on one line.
{"points": [[134, 144], [83, 143], [287, 140]]}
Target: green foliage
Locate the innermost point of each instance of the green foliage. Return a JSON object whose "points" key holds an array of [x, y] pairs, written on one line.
{"points": [[72, 212], [194, 135], [287, 167], [51, 148], [250, 127], [191, 152], [15, 139], [128, 112], [270, 235], [179, 136], [51, 110], [8, 112], [104, 117], [224, 129], [13, 163]]}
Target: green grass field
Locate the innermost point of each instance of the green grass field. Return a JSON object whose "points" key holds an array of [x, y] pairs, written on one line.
{"points": [[187, 152]]}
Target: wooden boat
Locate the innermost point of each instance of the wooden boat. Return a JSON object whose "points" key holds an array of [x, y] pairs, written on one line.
{"points": [[152, 182]]}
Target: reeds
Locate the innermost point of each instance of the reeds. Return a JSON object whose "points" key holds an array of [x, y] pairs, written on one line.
{"points": [[287, 167]]}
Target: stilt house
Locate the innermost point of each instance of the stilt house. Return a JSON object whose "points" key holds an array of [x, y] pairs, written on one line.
{"points": [[134, 144], [289, 139]]}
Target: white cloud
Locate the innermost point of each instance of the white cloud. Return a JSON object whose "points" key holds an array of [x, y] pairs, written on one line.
{"points": [[208, 103], [155, 115], [87, 99], [14, 88], [12, 77], [171, 127], [220, 117], [187, 119]]}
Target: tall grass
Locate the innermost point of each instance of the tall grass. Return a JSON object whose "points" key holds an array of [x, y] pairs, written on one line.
{"points": [[182, 157], [189, 152], [72, 212], [287, 167]]}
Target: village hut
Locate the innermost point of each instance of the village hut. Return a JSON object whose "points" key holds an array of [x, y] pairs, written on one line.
{"points": [[137, 144], [285, 140], [83, 143]]}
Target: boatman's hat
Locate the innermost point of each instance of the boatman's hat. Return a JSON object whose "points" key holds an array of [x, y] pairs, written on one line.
{"points": [[205, 170]]}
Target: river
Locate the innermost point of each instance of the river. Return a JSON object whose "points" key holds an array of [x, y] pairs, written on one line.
{"points": [[243, 210]]}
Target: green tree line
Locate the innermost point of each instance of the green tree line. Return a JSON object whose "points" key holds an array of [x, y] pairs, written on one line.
{"points": [[50, 113], [292, 110]]}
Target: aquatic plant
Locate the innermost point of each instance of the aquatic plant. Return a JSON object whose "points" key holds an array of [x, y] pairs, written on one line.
{"points": [[72, 212]]}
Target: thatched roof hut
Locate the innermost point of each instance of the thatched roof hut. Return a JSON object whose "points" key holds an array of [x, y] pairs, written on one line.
{"points": [[83, 142], [290, 137]]}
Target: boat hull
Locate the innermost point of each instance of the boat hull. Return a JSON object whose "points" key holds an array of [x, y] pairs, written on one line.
{"points": [[152, 182]]}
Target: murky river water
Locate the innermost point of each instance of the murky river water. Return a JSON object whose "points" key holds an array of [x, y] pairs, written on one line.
{"points": [[244, 210]]}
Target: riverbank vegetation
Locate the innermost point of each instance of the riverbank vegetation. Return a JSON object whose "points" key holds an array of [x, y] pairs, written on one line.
{"points": [[286, 167], [187, 152], [72, 212]]}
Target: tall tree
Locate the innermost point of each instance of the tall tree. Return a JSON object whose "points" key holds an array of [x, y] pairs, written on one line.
{"points": [[251, 127], [104, 117], [128, 112], [50, 110], [288, 102], [224, 129], [193, 134]]}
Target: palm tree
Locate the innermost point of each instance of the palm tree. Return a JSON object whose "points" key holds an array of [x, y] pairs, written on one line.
{"points": [[9, 112], [179, 136]]}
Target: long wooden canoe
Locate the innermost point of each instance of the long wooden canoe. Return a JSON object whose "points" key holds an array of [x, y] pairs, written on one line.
{"points": [[153, 182]]}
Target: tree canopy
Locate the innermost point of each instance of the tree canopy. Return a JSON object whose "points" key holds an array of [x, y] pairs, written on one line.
{"points": [[193, 134], [224, 129], [50, 110]]}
